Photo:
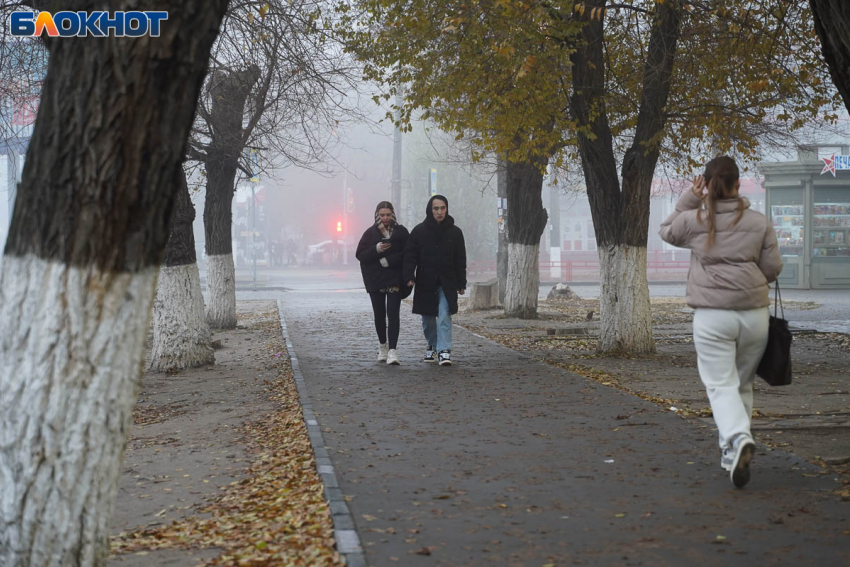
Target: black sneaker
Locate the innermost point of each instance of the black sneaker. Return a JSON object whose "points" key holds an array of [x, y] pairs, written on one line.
{"points": [[445, 358], [430, 354]]}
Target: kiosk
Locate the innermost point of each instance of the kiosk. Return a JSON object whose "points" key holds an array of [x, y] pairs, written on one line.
{"points": [[808, 202]]}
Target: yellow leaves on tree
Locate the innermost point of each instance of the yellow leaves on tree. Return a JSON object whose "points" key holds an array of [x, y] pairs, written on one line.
{"points": [[743, 75]]}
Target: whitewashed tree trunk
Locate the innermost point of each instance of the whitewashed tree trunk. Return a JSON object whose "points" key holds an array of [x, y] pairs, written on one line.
{"points": [[71, 349], [181, 336], [221, 288], [621, 212], [523, 283], [79, 273], [228, 93], [526, 222], [626, 320]]}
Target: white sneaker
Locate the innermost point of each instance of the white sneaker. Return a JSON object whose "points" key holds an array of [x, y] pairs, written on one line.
{"points": [[445, 358], [383, 350], [392, 357], [727, 459], [430, 354], [743, 452]]}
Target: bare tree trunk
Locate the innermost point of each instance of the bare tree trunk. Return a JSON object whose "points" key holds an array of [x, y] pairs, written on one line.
{"points": [[181, 336], [218, 222], [621, 218], [832, 24], [229, 93], [526, 223], [87, 236]]}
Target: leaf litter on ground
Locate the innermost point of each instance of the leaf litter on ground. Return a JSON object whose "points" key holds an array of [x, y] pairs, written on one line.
{"points": [[276, 515]]}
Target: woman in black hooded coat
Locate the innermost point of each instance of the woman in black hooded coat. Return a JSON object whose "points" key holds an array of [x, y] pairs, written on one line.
{"points": [[435, 260], [381, 255]]}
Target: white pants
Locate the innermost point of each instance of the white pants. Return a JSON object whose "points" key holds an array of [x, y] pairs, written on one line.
{"points": [[729, 346]]}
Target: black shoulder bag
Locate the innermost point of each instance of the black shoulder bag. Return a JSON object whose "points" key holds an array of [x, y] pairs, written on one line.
{"points": [[775, 365]]}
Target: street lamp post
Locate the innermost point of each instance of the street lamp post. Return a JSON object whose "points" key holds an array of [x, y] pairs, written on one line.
{"points": [[254, 229]]}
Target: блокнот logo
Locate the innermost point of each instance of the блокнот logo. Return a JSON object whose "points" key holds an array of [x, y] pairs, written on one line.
{"points": [[82, 24]]}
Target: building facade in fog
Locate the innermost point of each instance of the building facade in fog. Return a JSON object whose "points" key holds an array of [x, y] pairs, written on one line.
{"points": [[578, 239]]}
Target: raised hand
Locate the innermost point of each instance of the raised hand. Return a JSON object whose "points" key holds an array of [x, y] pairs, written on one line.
{"points": [[699, 187]]}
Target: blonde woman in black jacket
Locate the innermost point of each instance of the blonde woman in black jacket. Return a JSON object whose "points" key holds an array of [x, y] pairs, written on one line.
{"points": [[381, 255]]}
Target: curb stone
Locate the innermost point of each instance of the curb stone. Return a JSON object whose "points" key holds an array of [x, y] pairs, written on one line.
{"points": [[347, 540]]}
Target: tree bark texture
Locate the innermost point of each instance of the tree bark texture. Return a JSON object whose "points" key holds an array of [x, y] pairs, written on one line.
{"points": [[625, 294], [87, 236], [621, 215], [832, 24], [523, 285], [181, 336], [526, 223], [229, 92], [221, 289]]}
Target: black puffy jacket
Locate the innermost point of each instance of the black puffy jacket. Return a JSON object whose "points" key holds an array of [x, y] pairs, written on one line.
{"points": [[435, 255], [375, 275]]}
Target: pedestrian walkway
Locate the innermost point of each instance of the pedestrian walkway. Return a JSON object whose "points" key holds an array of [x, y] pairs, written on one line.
{"points": [[500, 460]]}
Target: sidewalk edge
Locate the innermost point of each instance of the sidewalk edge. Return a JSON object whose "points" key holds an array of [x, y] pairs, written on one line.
{"points": [[347, 540]]}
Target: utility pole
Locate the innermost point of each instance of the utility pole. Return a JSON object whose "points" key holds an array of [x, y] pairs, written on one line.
{"points": [[254, 181], [395, 189], [344, 218], [502, 252], [555, 232], [254, 229]]}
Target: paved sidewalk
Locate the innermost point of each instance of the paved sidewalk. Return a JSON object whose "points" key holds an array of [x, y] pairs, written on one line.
{"points": [[503, 461]]}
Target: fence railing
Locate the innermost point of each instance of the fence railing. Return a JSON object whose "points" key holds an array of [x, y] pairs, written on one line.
{"points": [[583, 270]]}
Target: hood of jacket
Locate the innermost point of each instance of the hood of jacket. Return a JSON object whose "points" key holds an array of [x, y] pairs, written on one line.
{"points": [[429, 216]]}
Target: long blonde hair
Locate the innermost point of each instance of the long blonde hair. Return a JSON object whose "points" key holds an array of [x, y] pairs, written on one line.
{"points": [[721, 175]]}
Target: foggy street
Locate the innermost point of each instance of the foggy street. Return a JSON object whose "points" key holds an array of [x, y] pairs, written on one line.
{"points": [[502, 460], [832, 315], [378, 283]]}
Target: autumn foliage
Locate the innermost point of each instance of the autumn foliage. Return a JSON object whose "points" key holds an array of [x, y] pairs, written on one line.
{"points": [[499, 72]]}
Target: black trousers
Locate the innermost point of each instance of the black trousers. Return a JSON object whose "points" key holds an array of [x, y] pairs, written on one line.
{"points": [[386, 307]]}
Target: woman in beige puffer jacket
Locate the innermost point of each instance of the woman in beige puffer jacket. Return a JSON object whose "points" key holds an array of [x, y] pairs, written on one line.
{"points": [[734, 258]]}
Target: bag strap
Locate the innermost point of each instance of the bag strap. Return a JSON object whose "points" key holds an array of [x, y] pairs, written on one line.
{"points": [[777, 298]]}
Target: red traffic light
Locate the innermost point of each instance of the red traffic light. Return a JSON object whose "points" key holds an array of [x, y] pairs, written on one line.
{"points": [[339, 226]]}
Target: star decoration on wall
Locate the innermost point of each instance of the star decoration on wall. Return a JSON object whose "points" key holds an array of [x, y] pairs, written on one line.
{"points": [[829, 165]]}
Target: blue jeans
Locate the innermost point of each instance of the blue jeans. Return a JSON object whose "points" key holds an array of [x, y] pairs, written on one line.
{"points": [[438, 330]]}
